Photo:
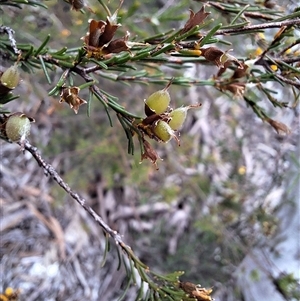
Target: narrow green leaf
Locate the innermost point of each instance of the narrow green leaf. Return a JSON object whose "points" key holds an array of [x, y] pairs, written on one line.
{"points": [[128, 134], [106, 249], [119, 259], [99, 63], [125, 290], [142, 273], [60, 56], [87, 84], [65, 64], [187, 34], [210, 34], [45, 69], [296, 70], [239, 14], [140, 292], [164, 49], [54, 91], [132, 269], [34, 64], [8, 98], [287, 17], [89, 104], [61, 51], [28, 53], [37, 52]]}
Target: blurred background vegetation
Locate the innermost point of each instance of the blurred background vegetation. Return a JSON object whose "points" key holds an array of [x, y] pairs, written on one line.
{"points": [[214, 199]]}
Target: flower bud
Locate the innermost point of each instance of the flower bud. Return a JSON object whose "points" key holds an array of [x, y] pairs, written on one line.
{"points": [[157, 103], [163, 131], [10, 77], [17, 127]]}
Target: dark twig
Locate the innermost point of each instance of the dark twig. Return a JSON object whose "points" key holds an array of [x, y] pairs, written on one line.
{"points": [[246, 29], [263, 62], [290, 60], [288, 81], [255, 15], [50, 171], [288, 47], [10, 32]]}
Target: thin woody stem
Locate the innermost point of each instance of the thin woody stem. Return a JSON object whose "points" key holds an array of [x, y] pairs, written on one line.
{"points": [[10, 32], [248, 28], [288, 47], [49, 170]]}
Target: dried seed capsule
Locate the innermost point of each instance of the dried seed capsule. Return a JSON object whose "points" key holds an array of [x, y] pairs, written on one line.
{"points": [[163, 131], [178, 116], [17, 127], [157, 103], [10, 77]]}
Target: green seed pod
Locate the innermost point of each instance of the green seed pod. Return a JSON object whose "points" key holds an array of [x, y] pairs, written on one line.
{"points": [[178, 116], [157, 103], [17, 127], [10, 77], [163, 131]]}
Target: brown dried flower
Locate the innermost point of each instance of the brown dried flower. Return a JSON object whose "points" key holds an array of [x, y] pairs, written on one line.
{"points": [[150, 153], [237, 88], [279, 127], [219, 57], [196, 291], [98, 42], [195, 19], [70, 96]]}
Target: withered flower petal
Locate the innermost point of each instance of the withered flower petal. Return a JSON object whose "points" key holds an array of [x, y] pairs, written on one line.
{"points": [[279, 127], [223, 69], [109, 32], [118, 45], [150, 153], [195, 19], [240, 72], [196, 291], [96, 29], [213, 54], [237, 89], [219, 57], [70, 96]]}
